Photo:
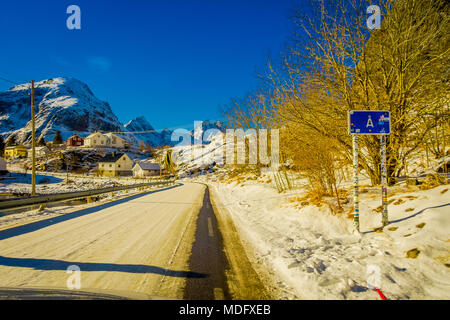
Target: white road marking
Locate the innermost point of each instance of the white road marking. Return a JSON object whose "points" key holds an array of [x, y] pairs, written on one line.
{"points": [[210, 229]]}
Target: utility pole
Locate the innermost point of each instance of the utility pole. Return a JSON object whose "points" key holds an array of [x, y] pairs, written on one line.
{"points": [[33, 143]]}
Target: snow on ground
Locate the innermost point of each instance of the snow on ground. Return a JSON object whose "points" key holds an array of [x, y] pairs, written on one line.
{"points": [[9, 219], [48, 183], [313, 254]]}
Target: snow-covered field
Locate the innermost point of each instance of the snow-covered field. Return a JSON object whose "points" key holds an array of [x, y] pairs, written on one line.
{"points": [[47, 183], [313, 254]]}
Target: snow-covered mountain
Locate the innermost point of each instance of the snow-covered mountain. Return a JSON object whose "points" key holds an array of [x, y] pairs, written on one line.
{"points": [[63, 104], [207, 129], [143, 130], [206, 149], [69, 106]]}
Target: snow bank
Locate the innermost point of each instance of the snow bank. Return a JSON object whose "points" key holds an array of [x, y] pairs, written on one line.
{"points": [[313, 254]]}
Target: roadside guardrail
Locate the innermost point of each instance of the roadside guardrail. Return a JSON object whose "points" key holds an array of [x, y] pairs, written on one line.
{"points": [[57, 197]]}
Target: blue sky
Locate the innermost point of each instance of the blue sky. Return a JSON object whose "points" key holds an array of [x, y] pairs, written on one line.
{"points": [[172, 61]]}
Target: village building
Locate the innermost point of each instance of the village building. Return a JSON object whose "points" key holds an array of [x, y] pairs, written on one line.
{"points": [[107, 140], [115, 164], [75, 141], [16, 151], [94, 140], [3, 166], [114, 141], [146, 169], [40, 152]]}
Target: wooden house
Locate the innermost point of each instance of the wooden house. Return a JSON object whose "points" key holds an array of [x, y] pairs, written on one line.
{"points": [[115, 164]]}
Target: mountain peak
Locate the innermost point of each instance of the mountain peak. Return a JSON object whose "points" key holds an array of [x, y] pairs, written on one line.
{"points": [[62, 104], [138, 124]]}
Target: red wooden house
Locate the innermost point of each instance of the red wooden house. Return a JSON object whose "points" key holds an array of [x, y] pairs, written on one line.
{"points": [[75, 141]]}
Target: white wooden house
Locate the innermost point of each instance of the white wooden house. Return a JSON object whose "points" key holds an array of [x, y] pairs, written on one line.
{"points": [[104, 140], [114, 141], [115, 164], [146, 169], [96, 139], [40, 152]]}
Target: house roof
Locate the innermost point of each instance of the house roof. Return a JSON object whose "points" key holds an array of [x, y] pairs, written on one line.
{"points": [[110, 134], [93, 135], [148, 166], [20, 146], [112, 157], [75, 135]]}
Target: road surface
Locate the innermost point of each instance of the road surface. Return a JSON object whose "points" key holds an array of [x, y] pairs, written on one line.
{"points": [[139, 244]]}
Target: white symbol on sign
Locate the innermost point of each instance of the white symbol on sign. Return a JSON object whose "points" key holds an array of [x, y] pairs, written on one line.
{"points": [[369, 122]]}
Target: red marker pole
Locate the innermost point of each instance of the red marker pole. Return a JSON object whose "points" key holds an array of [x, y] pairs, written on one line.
{"points": [[381, 294]]}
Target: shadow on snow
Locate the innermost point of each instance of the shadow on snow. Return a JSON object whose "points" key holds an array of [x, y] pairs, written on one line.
{"points": [[51, 264]]}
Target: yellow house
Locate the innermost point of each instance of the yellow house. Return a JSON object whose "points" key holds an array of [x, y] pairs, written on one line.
{"points": [[115, 164], [16, 151]]}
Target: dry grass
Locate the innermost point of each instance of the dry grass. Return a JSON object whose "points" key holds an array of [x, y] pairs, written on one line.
{"points": [[420, 225], [413, 253], [399, 201]]}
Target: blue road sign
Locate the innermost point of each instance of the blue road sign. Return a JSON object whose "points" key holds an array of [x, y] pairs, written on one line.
{"points": [[369, 122]]}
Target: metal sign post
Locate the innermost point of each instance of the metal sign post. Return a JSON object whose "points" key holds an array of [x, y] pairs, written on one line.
{"points": [[369, 122], [384, 180], [355, 182]]}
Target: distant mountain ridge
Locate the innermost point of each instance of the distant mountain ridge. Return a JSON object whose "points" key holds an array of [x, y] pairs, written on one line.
{"points": [[143, 130]]}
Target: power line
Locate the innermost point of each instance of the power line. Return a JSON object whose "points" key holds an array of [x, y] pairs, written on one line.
{"points": [[10, 81], [24, 83]]}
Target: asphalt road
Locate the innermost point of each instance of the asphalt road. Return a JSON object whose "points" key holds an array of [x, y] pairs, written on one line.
{"points": [[140, 244], [207, 257]]}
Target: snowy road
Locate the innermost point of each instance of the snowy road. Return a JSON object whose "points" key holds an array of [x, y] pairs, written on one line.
{"points": [[138, 244]]}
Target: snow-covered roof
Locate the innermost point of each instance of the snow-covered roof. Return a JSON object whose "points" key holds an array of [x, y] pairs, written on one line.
{"points": [[148, 166], [93, 135], [110, 134], [20, 146]]}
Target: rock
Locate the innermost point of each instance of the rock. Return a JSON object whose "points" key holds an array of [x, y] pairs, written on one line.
{"points": [[413, 253]]}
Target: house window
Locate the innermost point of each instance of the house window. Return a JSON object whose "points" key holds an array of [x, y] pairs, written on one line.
{"points": [[95, 141], [119, 165], [110, 165]]}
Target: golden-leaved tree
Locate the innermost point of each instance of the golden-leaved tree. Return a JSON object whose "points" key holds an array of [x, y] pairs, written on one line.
{"points": [[335, 64]]}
